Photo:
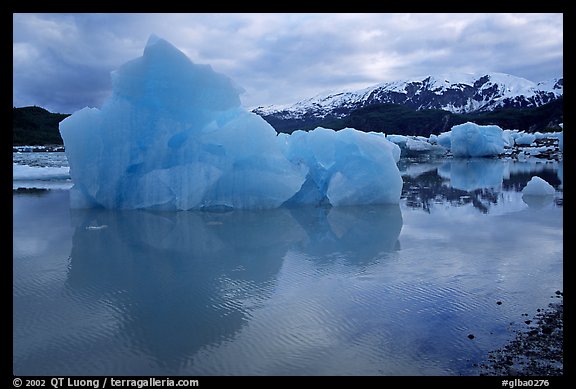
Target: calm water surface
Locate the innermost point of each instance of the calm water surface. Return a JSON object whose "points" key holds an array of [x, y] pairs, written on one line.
{"points": [[373, 290]]}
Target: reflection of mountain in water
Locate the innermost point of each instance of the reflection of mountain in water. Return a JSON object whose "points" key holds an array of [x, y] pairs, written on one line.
{"points": [[476, 181], [185, 280]]}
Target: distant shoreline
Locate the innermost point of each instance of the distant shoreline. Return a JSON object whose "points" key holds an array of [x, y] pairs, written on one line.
{"points": [[38, 149]]}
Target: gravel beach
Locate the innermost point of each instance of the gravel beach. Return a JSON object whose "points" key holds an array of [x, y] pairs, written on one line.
{"points": [[536, 351]]}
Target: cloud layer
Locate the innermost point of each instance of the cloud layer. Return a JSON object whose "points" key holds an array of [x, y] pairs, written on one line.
{"points": [[63, 61]]}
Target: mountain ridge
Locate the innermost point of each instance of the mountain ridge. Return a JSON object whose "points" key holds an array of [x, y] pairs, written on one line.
{"points": [[455, 92]]}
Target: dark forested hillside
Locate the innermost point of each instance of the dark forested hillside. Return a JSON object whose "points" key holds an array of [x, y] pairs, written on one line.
{"points": [[403, 120], [36, 126]]}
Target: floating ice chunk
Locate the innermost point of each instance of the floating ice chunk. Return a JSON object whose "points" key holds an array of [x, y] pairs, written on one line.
{"points": [[473, 140], [411, 146], [538, 187], [346, 167], [48, 177], [421, 146], [26, 172], [525, 139], [173, 136], [398, 139], [418, 145]]}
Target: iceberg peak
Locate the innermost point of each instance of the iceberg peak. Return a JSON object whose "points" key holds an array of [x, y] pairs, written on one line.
{"points": [[152, 40]]}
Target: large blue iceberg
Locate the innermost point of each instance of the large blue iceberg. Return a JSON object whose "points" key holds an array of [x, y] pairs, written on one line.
{"points": [[173, 136]]}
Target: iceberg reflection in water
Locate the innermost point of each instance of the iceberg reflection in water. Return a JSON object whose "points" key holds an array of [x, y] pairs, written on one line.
{"points": [[183, 281], [482, 182], [367, 290]]}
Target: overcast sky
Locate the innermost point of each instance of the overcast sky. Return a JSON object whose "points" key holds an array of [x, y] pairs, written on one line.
{"points": [[62, 62]]}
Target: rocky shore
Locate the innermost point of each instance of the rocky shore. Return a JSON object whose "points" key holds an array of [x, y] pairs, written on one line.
{"points": [[536, 351]]}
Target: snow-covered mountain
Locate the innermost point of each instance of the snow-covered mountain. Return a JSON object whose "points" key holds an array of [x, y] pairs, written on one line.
{"points": [[457, 93]]}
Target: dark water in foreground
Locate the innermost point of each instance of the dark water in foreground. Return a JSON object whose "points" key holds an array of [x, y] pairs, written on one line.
{"points": [[374, 290]]}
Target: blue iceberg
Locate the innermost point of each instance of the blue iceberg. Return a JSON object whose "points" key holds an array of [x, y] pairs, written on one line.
{"points": [[473, 140], [173, 136]]}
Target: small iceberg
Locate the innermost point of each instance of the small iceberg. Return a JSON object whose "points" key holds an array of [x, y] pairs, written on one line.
{"points": [[538, 192], [538, 187]]}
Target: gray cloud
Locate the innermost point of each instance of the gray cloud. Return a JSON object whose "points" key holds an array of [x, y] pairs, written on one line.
{"points": [[63, 61]]}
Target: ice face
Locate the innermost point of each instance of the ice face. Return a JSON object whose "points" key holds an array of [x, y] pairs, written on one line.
{"points": [[444, 139], [473, 140], [174, 136]]}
